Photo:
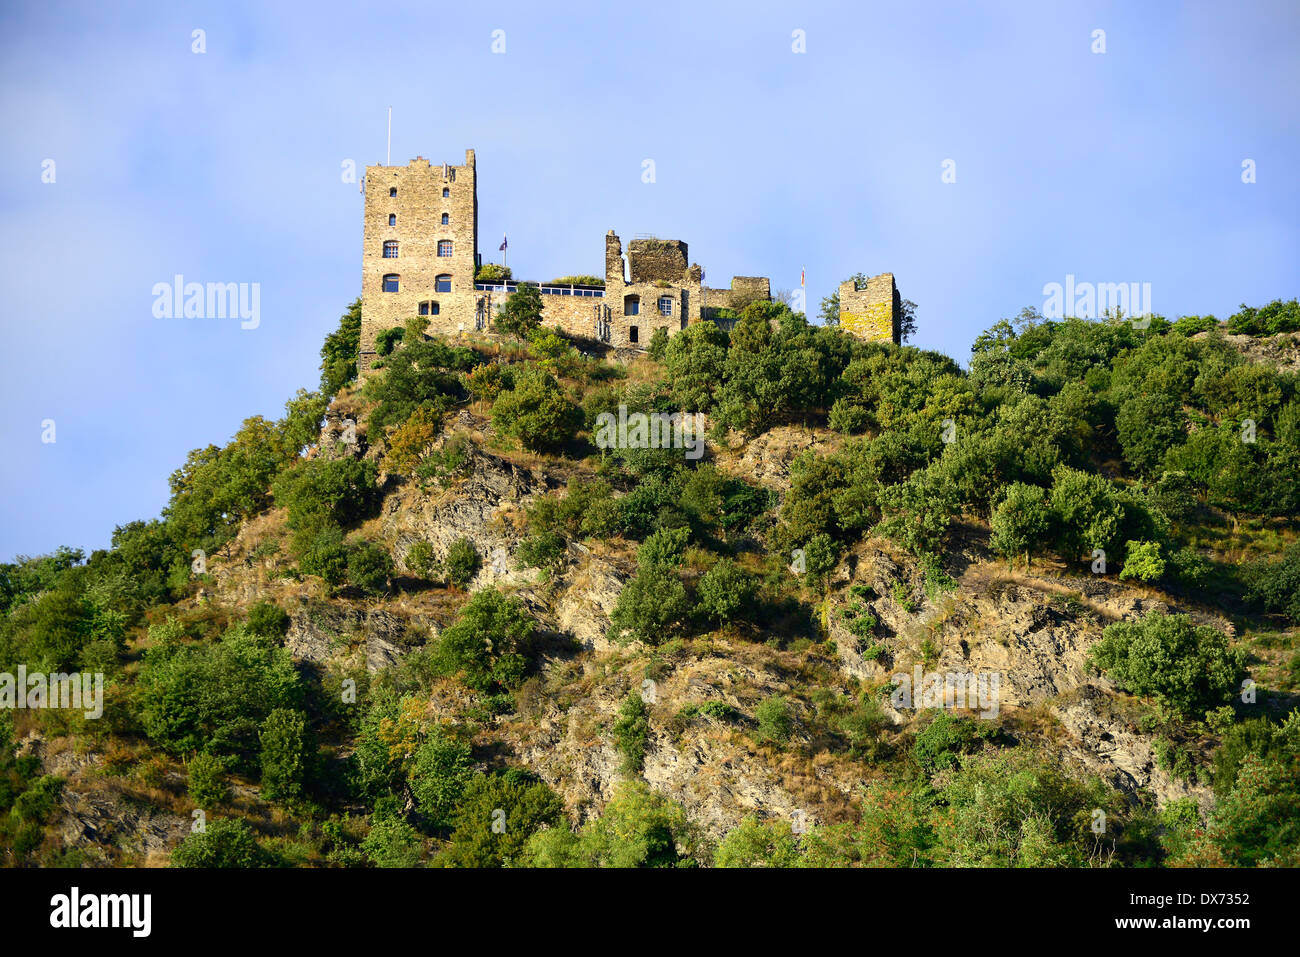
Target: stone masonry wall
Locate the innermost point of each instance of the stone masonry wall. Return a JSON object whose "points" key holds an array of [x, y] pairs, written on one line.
{"points": [[418, 206], [872, 312]]}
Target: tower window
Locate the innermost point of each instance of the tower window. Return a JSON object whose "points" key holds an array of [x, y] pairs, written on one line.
{"points": [[433, 308], [390, 249], [392, 219], [390, 282], [665, 305], [442, 283], [445, 220], [446, 192], [392, 191], [631, 334], [444, 247], [631, 305], [424, 308]]}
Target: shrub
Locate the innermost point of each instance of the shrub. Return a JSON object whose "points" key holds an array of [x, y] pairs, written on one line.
{"points": [[522, 312], [649, 607], [537, 412], [420, 559], [1187, 668], [498, 816], [369, 568], [225, 842], [775, 722], [658, 343], [411, 440], [487, 643], [725, 591], [440, 770], [388, 339], [284, 754], [463, 562], [1142, 560], [268, 620], [632, 732], [207, 781]]}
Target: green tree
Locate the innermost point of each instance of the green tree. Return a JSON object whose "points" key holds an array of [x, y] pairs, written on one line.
{"points": [[775, 721], [632, 732], [440, 771], [225, 843], [1020, 521], [522, 312], [724, 591], [339, 353], [1187, 668], [498, 816], [1142, 560], [488, 642], [284, 754], [537, 412]]}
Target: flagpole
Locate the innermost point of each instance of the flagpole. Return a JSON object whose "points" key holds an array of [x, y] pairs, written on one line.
{"points": [[389, 162]]}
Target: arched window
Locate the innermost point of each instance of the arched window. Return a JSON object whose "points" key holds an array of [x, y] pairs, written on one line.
{"points": [[390, 282], [665, 305], [392, 219], [390, 249], [433, 308], [444, 247], [392, 191], [444, 219], [631, 305], [442, 283]]}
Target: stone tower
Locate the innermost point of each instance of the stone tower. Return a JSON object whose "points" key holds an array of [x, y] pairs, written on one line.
{"points": [[419, 249], [874, 311]]}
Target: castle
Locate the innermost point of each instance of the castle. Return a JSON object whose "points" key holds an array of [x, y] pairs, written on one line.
{"points": [[420, 258]]}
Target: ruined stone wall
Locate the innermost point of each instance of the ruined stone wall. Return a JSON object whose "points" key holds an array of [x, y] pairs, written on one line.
{"points": [[664, 260], [873, 312], [418, 206]]}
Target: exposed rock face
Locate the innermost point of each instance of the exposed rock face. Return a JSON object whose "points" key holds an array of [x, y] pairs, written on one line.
{"points": [[1281, 350], [486, 507], [1119, 754], [320, 631], [766, 458]]}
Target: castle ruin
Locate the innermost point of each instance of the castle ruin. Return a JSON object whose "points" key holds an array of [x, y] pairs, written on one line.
{"points": [[420, 257]]}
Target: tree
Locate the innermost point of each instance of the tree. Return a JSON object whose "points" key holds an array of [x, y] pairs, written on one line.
{"points": [[649, 607], [537, 412], [487, 643], [522, 312], [370, 568], [694, 362], [1187, 668], [440, 771], [724, 591], [339, 353], [1020, 521], [463, 562], [284, 754], [631, 732], [225, 842], [658, 343]]}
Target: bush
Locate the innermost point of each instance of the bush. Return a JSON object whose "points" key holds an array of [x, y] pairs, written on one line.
{"points": [[411, 440], [487, 643], [440, 770], [522, 312], [658, 344], [369, 568], [498, 816], [388, 339], [725, 591], [207, 780], [284, 754], [632, 732], [225, 842], [537, 412], [462, 562], [1187, 668], [775, 722], [649, 607], [422, 562], [1142, 560], [268, 620]]}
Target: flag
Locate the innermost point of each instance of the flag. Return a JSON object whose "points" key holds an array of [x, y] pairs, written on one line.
{"points": [[503, 244], [801, 278]]}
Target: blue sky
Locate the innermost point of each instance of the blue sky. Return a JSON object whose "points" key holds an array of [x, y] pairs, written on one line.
{"points": [[226, 166]]}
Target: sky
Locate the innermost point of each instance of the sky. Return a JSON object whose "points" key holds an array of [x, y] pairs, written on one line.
{"points": [[978, 151]]}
